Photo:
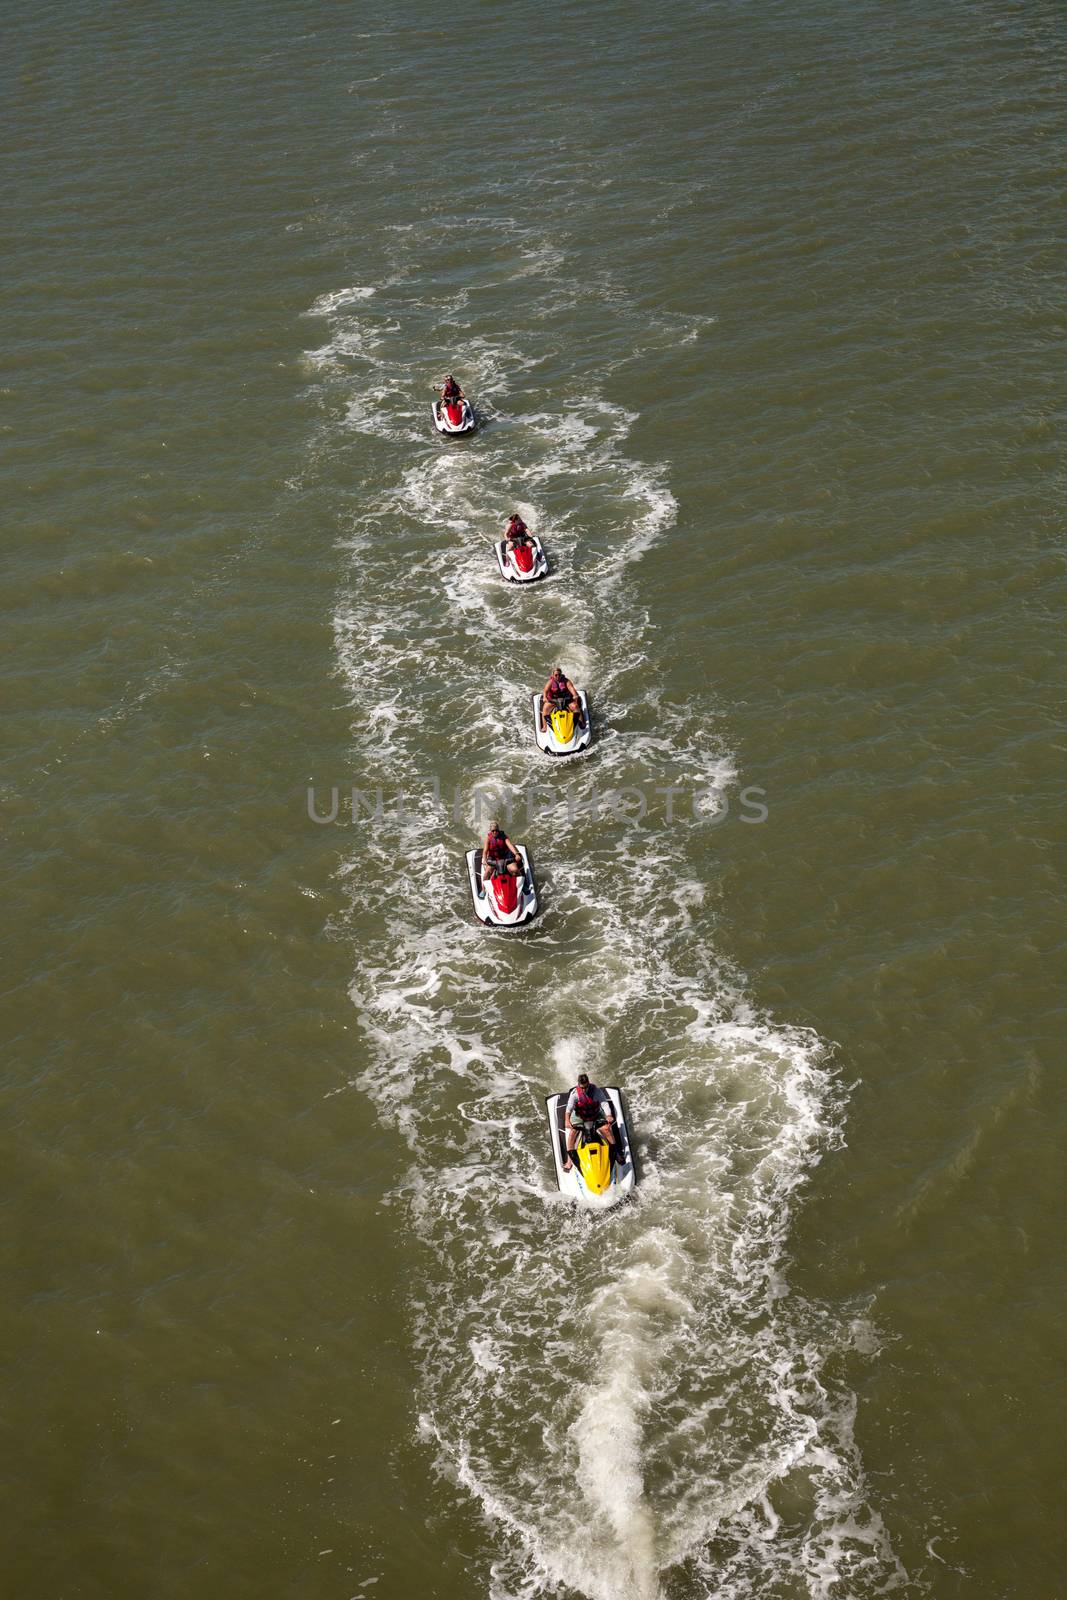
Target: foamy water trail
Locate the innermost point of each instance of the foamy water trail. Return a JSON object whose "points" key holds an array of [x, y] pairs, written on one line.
{"points": [[608, 1434], [630, 1399]]}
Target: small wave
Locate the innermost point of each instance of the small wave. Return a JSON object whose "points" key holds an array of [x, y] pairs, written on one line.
{"points": [[327, 304]]}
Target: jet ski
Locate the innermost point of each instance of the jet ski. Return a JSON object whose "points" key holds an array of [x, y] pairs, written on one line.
{"points": [[453, 416], [524, 564], [602, 1174], [563, 736], [506, 901]]}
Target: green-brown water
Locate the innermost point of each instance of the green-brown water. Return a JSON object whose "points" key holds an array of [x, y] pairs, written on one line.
{"points": [[763, 310]]}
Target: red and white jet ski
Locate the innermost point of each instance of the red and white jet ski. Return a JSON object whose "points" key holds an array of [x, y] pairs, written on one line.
{"points": [[524, 564], [507, 900], [453, 416]]}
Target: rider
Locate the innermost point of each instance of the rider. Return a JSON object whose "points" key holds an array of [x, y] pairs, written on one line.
{"points": [[450, 389], [516, 533], [559, 693], [587, 1107], [499, 854]]}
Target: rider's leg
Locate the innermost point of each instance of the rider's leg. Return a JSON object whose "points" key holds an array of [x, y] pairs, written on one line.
{"points": [[548, 706]]}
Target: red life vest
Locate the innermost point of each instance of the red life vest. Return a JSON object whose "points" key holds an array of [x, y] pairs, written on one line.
{"points": [[586, 1108], [557, 689], [496, 846]]}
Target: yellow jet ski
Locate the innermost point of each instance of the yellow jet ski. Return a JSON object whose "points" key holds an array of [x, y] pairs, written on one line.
{"points": [[601, 1174], [565, 734]]}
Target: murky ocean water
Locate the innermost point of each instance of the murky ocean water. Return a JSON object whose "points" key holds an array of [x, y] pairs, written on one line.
{"points": [[762, 311]]}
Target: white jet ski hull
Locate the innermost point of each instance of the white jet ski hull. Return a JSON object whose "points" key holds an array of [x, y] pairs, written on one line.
{"points": [[514, 574], [623, 1176], [442, 424], [547, 741], [485, 907]]}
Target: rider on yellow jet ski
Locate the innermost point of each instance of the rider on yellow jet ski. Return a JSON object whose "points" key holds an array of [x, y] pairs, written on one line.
{"points": [[559, 692], [587, 1107]]}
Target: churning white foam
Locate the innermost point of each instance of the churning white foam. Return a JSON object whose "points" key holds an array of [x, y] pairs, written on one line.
{"points": [[326, 304], [631, 1400]]}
